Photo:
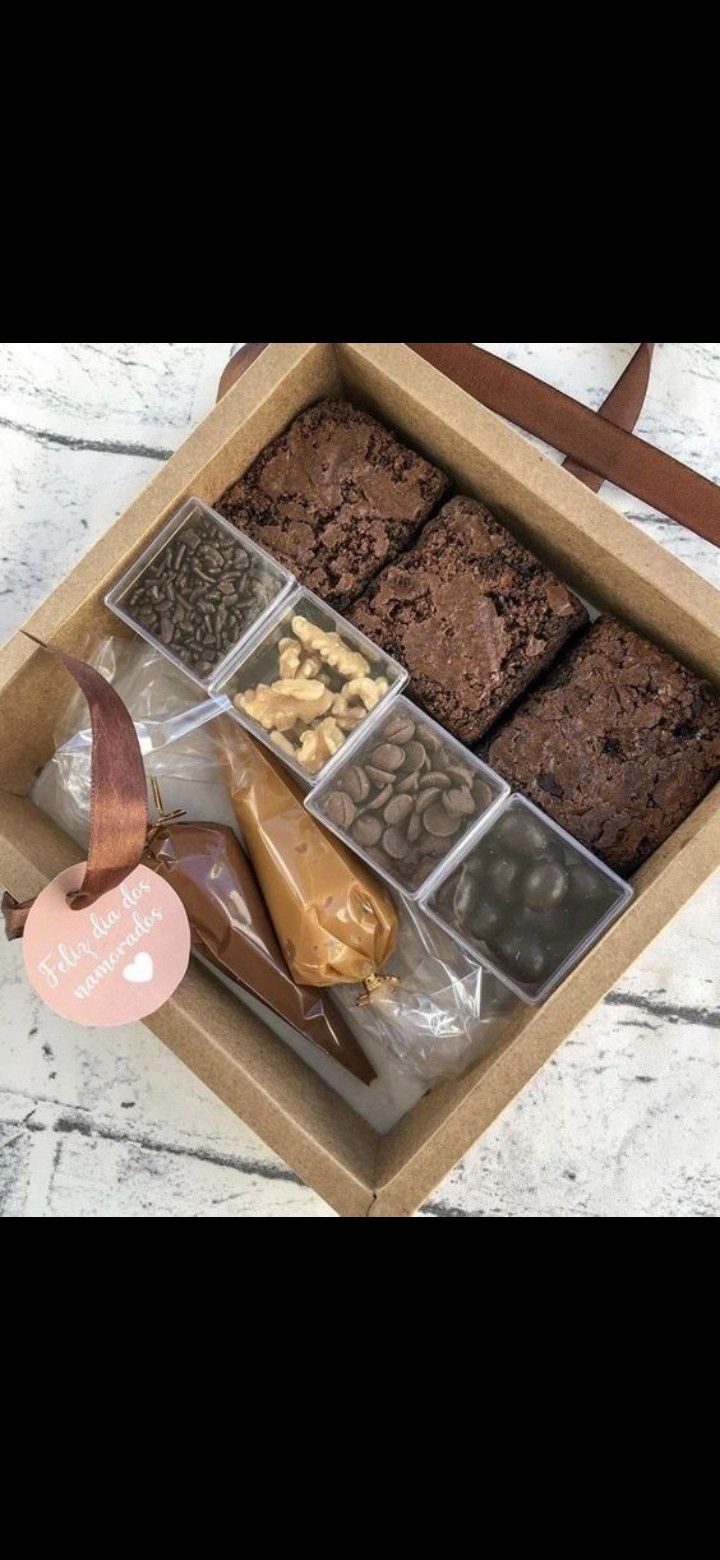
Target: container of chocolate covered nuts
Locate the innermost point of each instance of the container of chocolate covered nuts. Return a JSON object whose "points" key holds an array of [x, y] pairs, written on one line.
{"points": [[526, 900], [200, 591], [407, 798], [309, 685]]}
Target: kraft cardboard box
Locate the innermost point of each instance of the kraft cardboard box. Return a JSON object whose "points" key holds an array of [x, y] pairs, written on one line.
{"points": [[358, 1171]]}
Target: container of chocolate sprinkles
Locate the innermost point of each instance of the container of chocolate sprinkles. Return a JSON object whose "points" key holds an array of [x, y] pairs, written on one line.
{"points": [[526, 899], [407, 798], [200, 591]]}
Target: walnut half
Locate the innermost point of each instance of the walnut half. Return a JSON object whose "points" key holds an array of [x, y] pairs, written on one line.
{"points": [[331, 648]]}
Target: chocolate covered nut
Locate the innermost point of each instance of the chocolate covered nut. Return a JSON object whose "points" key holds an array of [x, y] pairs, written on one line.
{"points": [[586, 885], [356, 783], [398, 810], [440, 823], [367, 830], [521, 833], [485, 920], [395, 844], [466, 895], [388, 756], [545, 886], [458, 802], [523, 957], [503, 876], [340, 809], [398, 728], [476, 914]]}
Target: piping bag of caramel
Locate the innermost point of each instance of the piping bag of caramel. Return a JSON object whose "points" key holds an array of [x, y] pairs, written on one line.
{"points": [[230, 927], [334, 921]]}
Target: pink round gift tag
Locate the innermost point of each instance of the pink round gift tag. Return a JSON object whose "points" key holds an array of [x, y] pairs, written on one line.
{"points": [[116, 961]]}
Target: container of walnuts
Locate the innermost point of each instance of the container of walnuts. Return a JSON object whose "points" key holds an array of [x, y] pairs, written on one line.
{"points": [[309, 685]]}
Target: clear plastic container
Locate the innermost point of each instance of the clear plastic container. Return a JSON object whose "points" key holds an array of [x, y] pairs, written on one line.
{"points": [[406, 797], [342, 685], [199, 591], [526, 899]]}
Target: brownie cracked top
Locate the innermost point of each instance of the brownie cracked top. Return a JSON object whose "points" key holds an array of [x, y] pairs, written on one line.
{"points": [[472, 614], [618, 745], [334, 498]]}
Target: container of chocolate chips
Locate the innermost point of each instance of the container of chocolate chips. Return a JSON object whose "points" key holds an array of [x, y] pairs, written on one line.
{"points": [[407, 798], [199, 591], [526, 899]]}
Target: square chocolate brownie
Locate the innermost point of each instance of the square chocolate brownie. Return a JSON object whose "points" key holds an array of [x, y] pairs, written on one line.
{"points": [[334, 498], [472, 614], [618, 744]]}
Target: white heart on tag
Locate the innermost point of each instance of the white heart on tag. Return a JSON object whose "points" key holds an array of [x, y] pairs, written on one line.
{"points": [[140, 970]]}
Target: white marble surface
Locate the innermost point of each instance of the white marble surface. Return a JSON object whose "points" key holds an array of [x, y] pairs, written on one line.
{"points": [[623, 1120]]}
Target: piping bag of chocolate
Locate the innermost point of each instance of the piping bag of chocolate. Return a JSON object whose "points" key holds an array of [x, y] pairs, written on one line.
{"points": [[231, 928], [334, 921]]}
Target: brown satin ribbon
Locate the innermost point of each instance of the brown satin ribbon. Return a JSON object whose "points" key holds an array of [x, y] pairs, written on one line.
{"points": [[622, 406], [118, 794], [591, 440], [239, 362], [600, 445]]}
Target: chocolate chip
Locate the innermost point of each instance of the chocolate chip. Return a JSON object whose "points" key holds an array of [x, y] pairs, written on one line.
{"points": [[356, 783], [395, 844], [381, 798], [415, 829], [398, 728], [388, 756], [439, 822], [426, 799], [409, 784], [459, 772], [367, 830], [340, 809], [434, 845], [398, 810], [415, 756], [379, 776], [482, 793], [459, 802], [435, 778], [431, 740]]}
